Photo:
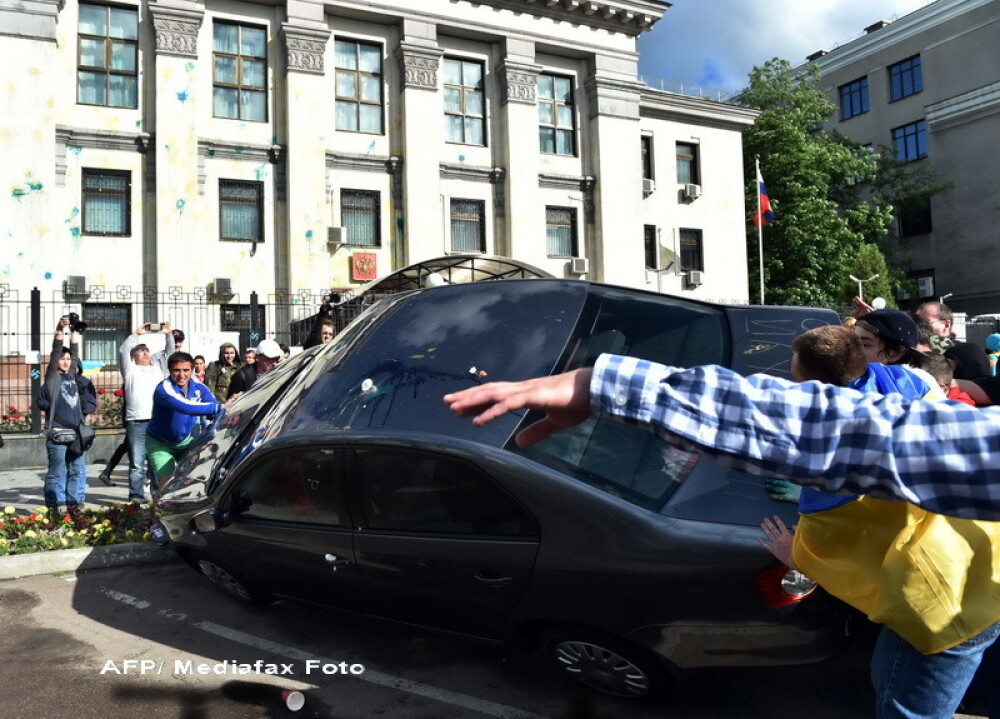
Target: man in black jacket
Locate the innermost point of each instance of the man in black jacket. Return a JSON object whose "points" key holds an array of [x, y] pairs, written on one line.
{"points": [[268, 354]]}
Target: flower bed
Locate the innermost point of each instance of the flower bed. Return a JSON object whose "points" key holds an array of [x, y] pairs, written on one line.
{"points": [[44, 530]]}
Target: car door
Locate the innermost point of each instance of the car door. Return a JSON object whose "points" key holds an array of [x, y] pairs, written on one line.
{"points": [[440, 544], [290, 530]]}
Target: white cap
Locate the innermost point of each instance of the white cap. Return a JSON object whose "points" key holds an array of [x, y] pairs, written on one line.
{"points": [[269, 348]]}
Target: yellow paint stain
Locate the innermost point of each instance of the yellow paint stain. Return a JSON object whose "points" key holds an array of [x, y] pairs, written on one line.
{"points": [[758, 348]]}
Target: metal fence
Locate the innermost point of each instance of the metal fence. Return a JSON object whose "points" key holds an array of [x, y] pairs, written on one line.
{"points": [[28, 323]]}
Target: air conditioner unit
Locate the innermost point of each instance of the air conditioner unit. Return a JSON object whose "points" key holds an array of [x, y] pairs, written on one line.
{"points": [[334, 238], [75, 289], [694, 278], [692, 191], [579, 266], [220, 290], [925, 286], [648, 186]]}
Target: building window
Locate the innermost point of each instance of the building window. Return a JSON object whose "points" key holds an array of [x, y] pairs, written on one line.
{"points": [[107, 203], [241, 210], [107, 56], [910, 141], [560, 231], [239, 57], [556, 128], [652, 247], [464, 107], [359, 87], [468, 226], [647, 156], [854, 98], [913, 216], [108, 325], [687, 163], [361, 216], [692, 253], [905, 78]]}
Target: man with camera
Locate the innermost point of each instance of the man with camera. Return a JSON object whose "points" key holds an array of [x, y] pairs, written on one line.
{"points": [[141, 375]]}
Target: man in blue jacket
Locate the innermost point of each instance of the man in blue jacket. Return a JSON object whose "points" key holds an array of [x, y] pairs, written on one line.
{"points": [[178, 402]]}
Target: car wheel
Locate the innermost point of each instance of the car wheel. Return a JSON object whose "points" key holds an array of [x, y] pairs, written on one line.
{"points": [[606, 664], [225, 579]]}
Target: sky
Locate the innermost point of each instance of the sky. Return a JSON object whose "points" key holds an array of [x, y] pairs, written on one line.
{"points": [[715, 44]]}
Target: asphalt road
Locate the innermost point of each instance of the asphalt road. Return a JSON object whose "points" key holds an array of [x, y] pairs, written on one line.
{"points": [[132, 641]]}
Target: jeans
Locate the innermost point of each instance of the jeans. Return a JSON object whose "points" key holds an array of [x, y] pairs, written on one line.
{"points": [[66, 478], [911, 685], [135, 437]]}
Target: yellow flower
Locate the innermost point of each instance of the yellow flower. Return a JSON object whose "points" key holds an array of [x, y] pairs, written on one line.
{"points": [[70, 533], [65, 542], [30, 533], [106, 522], [146, 536], [9, 510], [3, 542]]}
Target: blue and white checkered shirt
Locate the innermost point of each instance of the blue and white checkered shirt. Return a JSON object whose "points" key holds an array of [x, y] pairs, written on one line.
{"points": [[943, 456]]}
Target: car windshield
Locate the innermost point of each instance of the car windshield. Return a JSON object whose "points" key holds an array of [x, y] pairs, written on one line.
{"points": [[622, 459]]}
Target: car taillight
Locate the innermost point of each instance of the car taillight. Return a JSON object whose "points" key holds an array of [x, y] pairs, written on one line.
{"points": [[781, 586]]}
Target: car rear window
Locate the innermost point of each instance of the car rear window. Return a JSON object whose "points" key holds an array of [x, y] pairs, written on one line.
{"points": [[624, 460]]}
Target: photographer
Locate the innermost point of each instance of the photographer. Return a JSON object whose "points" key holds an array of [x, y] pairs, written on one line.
{"points": [[323, 329], [67, 398]]}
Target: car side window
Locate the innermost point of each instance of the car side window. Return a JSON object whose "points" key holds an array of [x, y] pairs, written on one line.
{"points": [[299, 485], [417, 492]]}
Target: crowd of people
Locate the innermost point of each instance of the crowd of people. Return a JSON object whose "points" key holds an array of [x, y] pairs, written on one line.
{"points": [[169, 397]]}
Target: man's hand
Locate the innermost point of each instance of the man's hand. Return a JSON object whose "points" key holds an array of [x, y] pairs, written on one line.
{"points": [[861, 308], [565, 399], [779, 539]]}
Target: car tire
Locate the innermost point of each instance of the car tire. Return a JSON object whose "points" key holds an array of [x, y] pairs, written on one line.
{"points": [[229, 582], [605, 663]]}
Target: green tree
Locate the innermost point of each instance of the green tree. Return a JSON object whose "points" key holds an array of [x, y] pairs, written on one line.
{"points": [[818, 183]]}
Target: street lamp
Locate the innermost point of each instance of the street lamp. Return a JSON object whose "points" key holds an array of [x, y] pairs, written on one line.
{"points": [[861, 284]]}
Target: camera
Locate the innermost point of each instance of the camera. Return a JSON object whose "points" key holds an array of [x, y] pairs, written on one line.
{"points": [[154, 326], [75, 324]]}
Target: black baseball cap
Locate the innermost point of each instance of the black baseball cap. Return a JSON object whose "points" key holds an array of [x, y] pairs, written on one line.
{"points": [[893, 325]]}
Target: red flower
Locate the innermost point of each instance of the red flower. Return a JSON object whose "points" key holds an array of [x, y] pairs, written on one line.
{"points": [[4, 418], [100, 391], [119, 392], [11, 408]]}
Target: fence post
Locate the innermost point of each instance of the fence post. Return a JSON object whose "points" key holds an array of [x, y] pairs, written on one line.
{"points": [[36, 345], [254, 327]]}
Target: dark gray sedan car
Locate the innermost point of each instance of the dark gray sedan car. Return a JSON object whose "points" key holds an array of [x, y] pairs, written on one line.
{"points": [[341, 478]]}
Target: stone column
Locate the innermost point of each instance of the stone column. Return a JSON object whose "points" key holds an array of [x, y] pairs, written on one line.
{"points": [[303, 261], [614, 237], [419, 59], [518, 139], [176, 152]]}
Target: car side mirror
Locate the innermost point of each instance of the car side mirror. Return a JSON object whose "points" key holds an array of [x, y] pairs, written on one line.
{"points": [[205, 522]]}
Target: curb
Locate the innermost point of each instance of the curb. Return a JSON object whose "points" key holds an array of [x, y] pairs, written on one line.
{"points": [[71, 560]]}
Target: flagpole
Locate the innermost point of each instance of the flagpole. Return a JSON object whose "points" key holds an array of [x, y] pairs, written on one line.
{"points": [[760, 227]]}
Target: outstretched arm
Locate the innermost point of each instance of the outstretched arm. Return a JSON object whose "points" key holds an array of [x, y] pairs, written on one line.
{"points": [[565, 398]]}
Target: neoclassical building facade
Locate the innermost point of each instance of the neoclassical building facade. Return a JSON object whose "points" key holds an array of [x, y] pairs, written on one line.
{"points": [[293, 145]]}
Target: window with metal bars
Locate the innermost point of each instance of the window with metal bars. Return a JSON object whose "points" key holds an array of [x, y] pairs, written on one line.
{"points": [[241, 210], [106, 203], [360, 214], [358, 86], [468, 225], [107, 52], [239, 79], [560, 231]]}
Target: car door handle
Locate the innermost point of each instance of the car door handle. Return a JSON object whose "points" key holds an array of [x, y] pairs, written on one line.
{"points": [[334, 561], [494, 581]]}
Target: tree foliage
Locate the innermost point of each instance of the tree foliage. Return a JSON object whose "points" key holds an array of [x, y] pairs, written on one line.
{"points": [[829, 224]]}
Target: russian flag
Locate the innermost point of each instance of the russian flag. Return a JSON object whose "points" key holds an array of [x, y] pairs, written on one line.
{"points": [[765, 214]]}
